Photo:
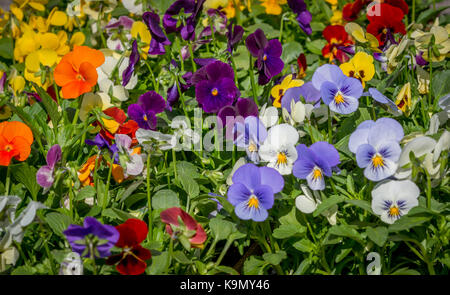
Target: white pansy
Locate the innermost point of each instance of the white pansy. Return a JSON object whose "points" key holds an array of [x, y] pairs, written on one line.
{"points": [[240, 162], [150, 140], [308, 202], [132, 7], [419, 146], [182, 130], [393, 199], [71, 265], [268, 116], [279, 148]]}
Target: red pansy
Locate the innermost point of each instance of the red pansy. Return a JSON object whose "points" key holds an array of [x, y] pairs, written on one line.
{"points": [[385, 21], [132, 259], [338, 41]]}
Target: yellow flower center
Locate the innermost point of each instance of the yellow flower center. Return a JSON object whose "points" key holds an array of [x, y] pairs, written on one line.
{"points": [[214, 92], [8, 148], [253, 202], [393, 211], [317, 173], [265, 57], [377, 161], [252, 147], [79, 77], [145, 118], [338, 98], [281, 159]]}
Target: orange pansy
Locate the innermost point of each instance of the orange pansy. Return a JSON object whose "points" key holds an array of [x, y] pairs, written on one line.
{"points": [[85, 172], [15, 141], [76, 73]]}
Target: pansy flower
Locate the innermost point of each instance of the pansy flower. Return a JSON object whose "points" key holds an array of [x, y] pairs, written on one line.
{"points": [[45, 174], [252, 191], [85, 173], [394, 198], [144, 111], [377, 148], [234, 36], [180, 225], [159, 39], [379, 97], [101, 143], [132, 61], [250, 135], [403, 100], [338, 44], [302, 65], [307, 91], [360, 67], [131, 261], [268, 53], [117, 125], [273, 6], [385, 20], [92, 236], [304, 17], [350, 11], [129, 157], [186, 28], [76, 73], [339, 92], [279, 148], [15, 142], [238, 112], [315, 162], [279, 90], [215, 88]]}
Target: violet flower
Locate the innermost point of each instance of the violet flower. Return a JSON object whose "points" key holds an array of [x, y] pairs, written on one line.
{"points": [[250, 135], [315, 162], [45, 174], [92, 236], [339, 92], [187, 28], [215, 86], [144, 111], [234, 36], [219, 23], [252, 191], [101, 143], [230, 115], [133, 60], [172, 93], [303, 15], [159, 39], [268, 53], [307, 90]]}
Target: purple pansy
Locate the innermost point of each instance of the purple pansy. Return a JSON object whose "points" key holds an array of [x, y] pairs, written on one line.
{"points": [[381, 98], [231, 114], [172, 93], [315, 162], [304, 17], [144, 111], [234, 36], [101, 143], [187, 28], [216, 87], [377, 148], [339, 92], [250, 135], [252, 191], [307, 91], [159, 39], [45, 174], [80, 238], [218, 20], [134, 59], [268, 53], [420, 60]]}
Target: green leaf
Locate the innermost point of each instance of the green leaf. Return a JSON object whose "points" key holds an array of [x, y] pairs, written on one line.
{"points": [[406, 271], [24, 270], [291, 50], [304, 245], [86, 192], [130, 189], [159, 263], [165, 199], [378, 235], [342, 254], [429, 14], [344, 230], [316, 46], [253, 266], [49, 104], [221, 229], [115, 213], [181, 257], [6, 48], [58, 222], [325, 205], [303, 267], [27, 176], [443, 87], [187, 169], [407, 222], [288, 230], [275, 258], [223, 269], [361, 204]]}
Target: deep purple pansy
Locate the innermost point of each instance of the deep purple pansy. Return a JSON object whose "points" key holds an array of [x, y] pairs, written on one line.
{"points": [[159, 39], [134, 59], [303, 15], [187, 28], [144, 111]]}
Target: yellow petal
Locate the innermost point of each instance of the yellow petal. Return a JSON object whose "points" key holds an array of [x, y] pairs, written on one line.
{"points": [[17, 84], [37, 6], [295, 83], [77, 39], [348, 68], [49, 40], [356, 31], [140, 29], [59, 18], [111, 125], [18, 13], [47, 57], [32, 63]]}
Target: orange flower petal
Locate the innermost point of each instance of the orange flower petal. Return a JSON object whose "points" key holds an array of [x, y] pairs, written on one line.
{"points": [[22, 147], [75, 88], [10, 130], [89, 73], [85, 54], [64, 73]]}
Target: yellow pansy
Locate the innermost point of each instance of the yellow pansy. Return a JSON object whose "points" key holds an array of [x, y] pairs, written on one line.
{"points": [[35, 4], [17, 84], [358, 33], [25, 45], [139, 29], [403, 101], [214, 4], [278, 90], [332, 2], [360, 67], [77, 39], [273, 6], [16, 11], [91, 101], [336, 18], [424, 80]]}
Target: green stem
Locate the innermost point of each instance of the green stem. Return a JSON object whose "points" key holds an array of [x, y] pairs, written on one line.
{"points": [[174, 160], [430, 87], [413, 11], [191, 52], [252, 79], [105, 198], [224, 251], [149, 201], [155, 84], [330, 131], [428, 190], [281, 28], [8, 178], [91, 250]]}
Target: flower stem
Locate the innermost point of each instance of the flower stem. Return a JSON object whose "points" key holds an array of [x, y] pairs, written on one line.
{"points": [[149, 201], [330, 133], [252, 79], [413, 11], [191, 52], [91, 250], [8, 178], [430, 104], [224, 251], [428, 190], [105, 198]]}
